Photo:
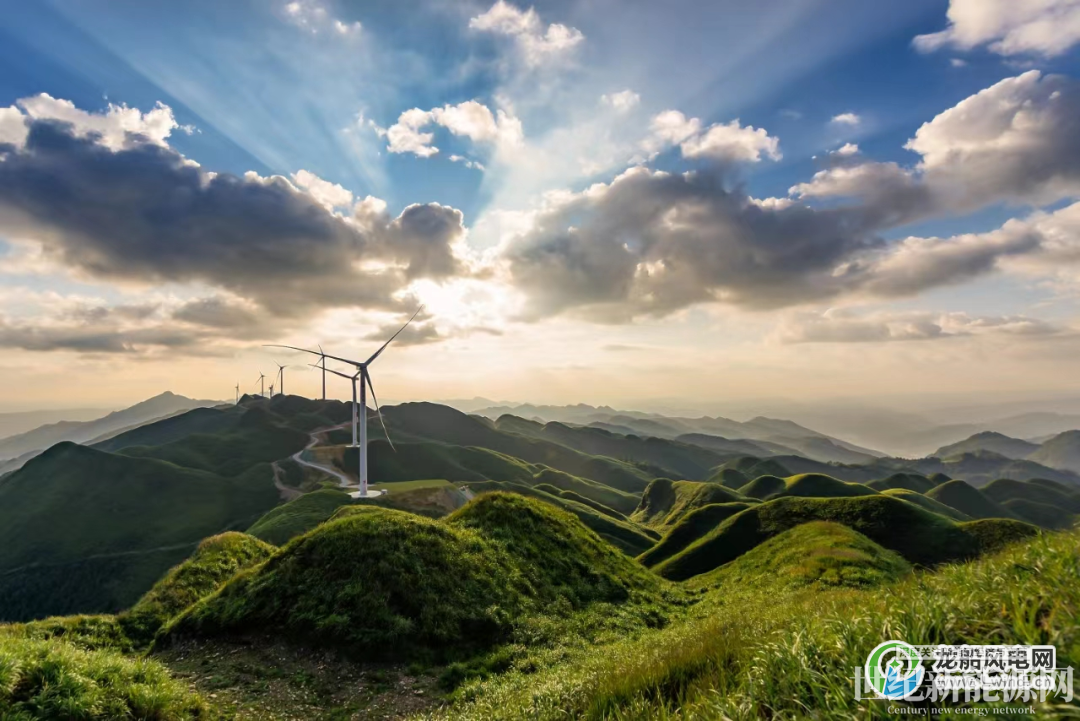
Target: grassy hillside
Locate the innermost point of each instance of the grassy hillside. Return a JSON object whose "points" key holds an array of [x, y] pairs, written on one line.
{"points": [[199, 420], [666, 502], [298, 516], [730, 478], [763, 486], [926, 502], [86, 513], [968, 500], [54, 680], [907, 481], [1061, 452], [919, 536], [752, 467], [1004, 489], [216, 560], [690, 528], [381, 583], [817, 554], [816, 485]]}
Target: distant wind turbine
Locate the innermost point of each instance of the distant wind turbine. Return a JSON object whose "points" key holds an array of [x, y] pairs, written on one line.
{"points": [[322, 360], [238, 393], [262, 384], [281, 376], [360, 412], [271, 390]]}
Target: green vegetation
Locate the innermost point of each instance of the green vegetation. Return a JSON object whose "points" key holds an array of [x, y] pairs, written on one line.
{"points": [[381, 583], [919, 536], [817, 485], [903, 481], [968, 500], [752, 467], [666, 502], [773, 651], [298, 516], [817, 554], [689, 529], [55, 680], [926, 502], [763, 486], [92, 531], [729, 477], [217, 559]]}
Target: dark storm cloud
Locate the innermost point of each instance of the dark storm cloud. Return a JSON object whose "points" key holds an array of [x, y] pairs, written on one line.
{"points": [[93, 338], [145, 213]]}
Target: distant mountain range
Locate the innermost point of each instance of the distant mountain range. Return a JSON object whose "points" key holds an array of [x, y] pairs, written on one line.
{"points": [[757, 436], [1060, 451], [23, 421], [16, 450]]}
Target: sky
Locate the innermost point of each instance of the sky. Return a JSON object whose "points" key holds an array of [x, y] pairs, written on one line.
{"points": [[626, 203]]}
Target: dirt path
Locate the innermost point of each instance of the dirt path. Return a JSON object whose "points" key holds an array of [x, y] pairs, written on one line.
{"points": [[317, 436]]}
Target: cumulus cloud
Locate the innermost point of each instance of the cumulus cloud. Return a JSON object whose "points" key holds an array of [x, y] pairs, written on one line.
{"points": [[118, 127], [846, 326], [721, 141], [850, 119], [469, 119], [313, 16], [133, 210], [1008, 27], [537, 44], [329, 194]]}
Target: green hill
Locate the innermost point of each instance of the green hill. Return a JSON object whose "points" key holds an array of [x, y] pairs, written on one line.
{"points": [[380, 583], [298, 516], [216, 560], [78, 513], [816, 485], [626, 535], [919, 536], [689, 529], [729, 477], [928, 503], [1043, 515], [819, 554], [909, 481], [763, 486], [199, 420], [1004, 489], [968, 500], [752, 467], [665, 502]]}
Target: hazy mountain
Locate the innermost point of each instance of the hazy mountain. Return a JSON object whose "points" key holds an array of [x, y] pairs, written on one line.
{"points": [[38, 439], [13, 423], [989, 441], [1061, 452]]}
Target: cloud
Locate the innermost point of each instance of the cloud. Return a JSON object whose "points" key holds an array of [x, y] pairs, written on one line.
{"points": [[1037, 27], [138, 212], [312, 16], [536, 44], [118, 127], [468, 163], [847, 150], [415, 334], [846, 326], [623, 101], [331, 195], [651, 242], [850, 119], [469, 119], [726, 142]]}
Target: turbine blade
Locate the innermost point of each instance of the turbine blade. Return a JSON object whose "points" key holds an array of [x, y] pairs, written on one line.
{"points": [[315, 352], [410, 320], [371, 387]]}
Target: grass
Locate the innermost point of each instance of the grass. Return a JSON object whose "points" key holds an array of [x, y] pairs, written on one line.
{"points": [[919, 536], [666, 502], [926, 502], [1004, 489], [379, 583], [817, 554], [217, 559], [968, 500], [818, 485], [729, 477], [298, 516], [763, 487], [689, 529], [903, 481], [55, 680]]}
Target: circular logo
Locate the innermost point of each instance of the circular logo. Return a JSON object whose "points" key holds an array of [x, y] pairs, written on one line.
{"points": [[893, 670]]}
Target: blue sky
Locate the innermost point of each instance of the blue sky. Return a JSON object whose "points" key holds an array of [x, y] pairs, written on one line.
{"points": [[530, 106]]}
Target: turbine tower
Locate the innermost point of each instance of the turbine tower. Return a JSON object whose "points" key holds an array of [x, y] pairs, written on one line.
{"points": [[322, 360], [271, 390], [262, 385], [360, 411], [281, 377], [237, 393]]}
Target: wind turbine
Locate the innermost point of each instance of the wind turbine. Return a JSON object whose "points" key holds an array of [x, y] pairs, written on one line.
{"points": [[322, 360], [281, 375], [237, 393], [360, 413], [262, 384], [271, 390]]}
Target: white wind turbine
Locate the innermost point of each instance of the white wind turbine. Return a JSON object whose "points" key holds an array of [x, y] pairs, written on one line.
{"points": [[237, 393], [360, 411], [281, 377], [262, 384]]}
